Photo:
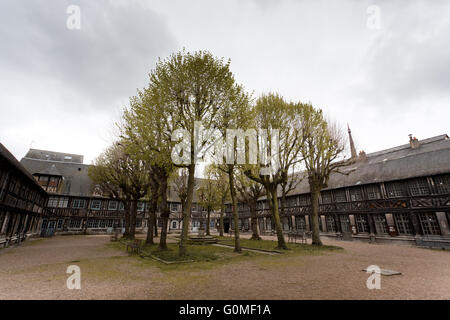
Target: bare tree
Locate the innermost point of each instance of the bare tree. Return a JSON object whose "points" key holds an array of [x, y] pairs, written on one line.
{"points": [[322, 148]]}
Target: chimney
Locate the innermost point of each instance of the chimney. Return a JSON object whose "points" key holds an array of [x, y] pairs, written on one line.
{"points": [[413, 142], [362, 156]]}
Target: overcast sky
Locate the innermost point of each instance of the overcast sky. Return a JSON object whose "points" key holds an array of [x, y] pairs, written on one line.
{"points": [[62, 89]]}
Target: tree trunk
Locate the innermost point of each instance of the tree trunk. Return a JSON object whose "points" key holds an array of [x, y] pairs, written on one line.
{"points": [[315, 216], [133, 219], [165, 212], [127, 208], [155, 223], [222, 210], [276, 218], [187, 209], [237, 242], [254, 221], [208, 218], [151, 220]]}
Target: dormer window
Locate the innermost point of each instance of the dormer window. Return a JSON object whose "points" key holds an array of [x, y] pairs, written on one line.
{"points": [[48, 182]]}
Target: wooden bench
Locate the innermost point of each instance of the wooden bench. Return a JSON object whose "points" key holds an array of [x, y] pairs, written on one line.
{"points": [[293, 236], [135, 246]]}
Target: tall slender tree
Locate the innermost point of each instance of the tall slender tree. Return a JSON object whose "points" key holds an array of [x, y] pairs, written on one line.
{"points": [[148, 135], [250, 191], [192, 87], [282, 120], [322, 151]]}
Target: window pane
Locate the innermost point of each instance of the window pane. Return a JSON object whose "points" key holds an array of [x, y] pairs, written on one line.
{"points": [[418, 187], [429, 224], [442, 184], [395, 189]]}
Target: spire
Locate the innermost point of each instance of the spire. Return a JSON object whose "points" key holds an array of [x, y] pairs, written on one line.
{"points": [[352, 144]]}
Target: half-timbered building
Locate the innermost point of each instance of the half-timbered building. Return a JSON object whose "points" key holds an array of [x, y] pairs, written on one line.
{"points": [[73, 205], [397, 195], [22, 201]]}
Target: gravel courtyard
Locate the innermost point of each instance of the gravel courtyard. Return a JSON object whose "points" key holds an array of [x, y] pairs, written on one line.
{"points": [[37, 270]]}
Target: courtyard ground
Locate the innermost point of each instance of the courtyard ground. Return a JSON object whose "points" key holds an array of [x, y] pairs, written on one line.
{"points": [[37, 270]]}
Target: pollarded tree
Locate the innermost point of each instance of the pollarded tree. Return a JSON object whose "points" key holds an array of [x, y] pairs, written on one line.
{"points": [[148, 134], [108, 178], [189, 88], [321, 150], [223, 191], [230, 151], [283, 141], [180, 182], [250, 191], [208, 194], [120, 169]]}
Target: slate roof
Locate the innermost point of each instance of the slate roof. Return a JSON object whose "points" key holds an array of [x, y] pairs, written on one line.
{"points": [[432, 157], [9, 158], [76, 181], [54, 156]]}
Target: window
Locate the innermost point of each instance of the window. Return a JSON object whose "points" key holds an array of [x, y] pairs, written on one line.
{"points": [[121, 206], [340, 195], [292, 201], [138, 223], [75, 223], [59, 224], [442, 184], [356, 194], [429, 224], [345, 223], [300, 223], [304, 200], [103, 223], [63, 202], [53, 184], [78, 203], [326, 197], [96, 204], [373, 191], [174, 207], [174, 225], [361, 223], [331, 226], [380, 223], [403, 223], [260, 205], [93, 223], [395, 189], [112, 205], [52, 202], [418, 187], [140, 206]]}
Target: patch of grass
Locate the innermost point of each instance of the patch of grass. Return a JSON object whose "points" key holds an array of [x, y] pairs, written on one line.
{"points": [[194, 252], [202, 257], [270, 245]]}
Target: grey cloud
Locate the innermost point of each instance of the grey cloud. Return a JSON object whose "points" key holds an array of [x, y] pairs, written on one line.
{"points": [[410, 59], [107, 59]]}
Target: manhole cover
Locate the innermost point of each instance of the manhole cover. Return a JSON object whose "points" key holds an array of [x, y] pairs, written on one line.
{"points": [[386, 272]]}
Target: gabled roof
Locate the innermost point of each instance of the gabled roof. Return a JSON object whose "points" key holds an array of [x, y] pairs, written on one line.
{"points": [[76, 181], [54, 156], [8, 157], [432, 157]]}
